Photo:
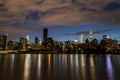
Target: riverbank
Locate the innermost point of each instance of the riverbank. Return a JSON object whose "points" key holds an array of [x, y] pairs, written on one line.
{"points": [[8, 51], [58, 52]]}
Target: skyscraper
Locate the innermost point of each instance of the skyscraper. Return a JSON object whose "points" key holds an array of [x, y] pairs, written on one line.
{"points": [[28, 39], [3, 42], [81, 38], [23, 44], [91, 35], [45, 34]]}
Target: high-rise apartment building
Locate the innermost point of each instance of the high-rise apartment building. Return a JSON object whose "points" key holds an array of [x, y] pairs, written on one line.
{"points": [[45, 34], [81, 38], [3, 42]]}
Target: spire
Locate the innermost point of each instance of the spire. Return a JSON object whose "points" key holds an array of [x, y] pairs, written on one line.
{"points": [[28, 39], [91, 33]]}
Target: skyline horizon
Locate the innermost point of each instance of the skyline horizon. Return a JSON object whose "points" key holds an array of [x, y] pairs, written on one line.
{"points": [[64, 19], [76, 36]]}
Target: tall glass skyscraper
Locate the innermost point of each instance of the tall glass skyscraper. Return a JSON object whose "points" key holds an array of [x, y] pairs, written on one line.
{"points": [[45, 34]]}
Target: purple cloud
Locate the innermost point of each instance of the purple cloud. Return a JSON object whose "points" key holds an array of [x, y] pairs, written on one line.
{"points": [[87, 32]]}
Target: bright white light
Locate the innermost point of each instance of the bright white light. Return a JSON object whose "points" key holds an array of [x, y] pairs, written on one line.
{"points": [[28, 38], [76, 41], [107, 37]]}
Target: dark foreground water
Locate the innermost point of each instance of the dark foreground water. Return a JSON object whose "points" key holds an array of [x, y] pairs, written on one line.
{"points": [[59, 67]]}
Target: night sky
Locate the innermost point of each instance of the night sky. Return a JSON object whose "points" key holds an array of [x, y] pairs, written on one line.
{"points": [[65, 19]]}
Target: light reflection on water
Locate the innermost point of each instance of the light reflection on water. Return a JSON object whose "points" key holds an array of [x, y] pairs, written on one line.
{"points": [[27, 67], [12, 60], [39, 66], [92, 64], [109, 68], [59, 67]]}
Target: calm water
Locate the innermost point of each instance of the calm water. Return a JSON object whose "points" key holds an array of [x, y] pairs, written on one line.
{"points": [[59, 67]]}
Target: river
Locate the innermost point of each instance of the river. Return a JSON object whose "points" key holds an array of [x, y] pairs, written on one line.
{"points": [[59, 67]]}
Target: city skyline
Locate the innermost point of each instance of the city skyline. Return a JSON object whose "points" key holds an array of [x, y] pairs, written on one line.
{"points": [[65, 19], [72, 35], [59, 39]]}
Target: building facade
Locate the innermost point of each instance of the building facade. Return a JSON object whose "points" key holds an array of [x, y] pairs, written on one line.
{"points": [[81, 39], [45, 34], [23, 44], [3, 42]]}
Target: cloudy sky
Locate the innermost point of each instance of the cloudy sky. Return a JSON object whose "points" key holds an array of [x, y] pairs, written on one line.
{"points": [[65, 19]]}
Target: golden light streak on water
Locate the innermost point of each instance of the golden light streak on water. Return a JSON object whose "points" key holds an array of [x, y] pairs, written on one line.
{"points": [[71, 60], [66, 59], [83, 66], [76, 60], [12, 60], [82, 60], [92, 68], [49, 61], [77, 65], [92, 62], [27, 67]]}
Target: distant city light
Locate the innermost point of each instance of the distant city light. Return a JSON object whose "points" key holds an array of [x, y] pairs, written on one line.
{"points": [[76, 41], [108, 37]]}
